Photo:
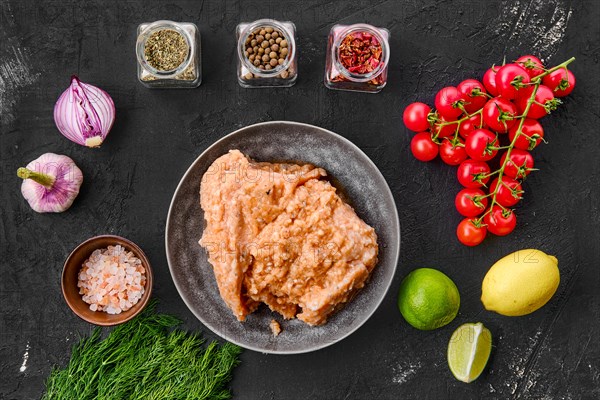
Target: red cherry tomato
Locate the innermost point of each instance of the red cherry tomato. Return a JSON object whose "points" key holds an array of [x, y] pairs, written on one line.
{"points": [[480, 145], [447, 102], [470, 173], [519, 163], [489, 81], [499, 114], [507, 76], [470, 233], [470, 202], [542, 96], [500, 222], [560, 82], [452, 154], [473, 93], [531, 134], [469, 125], [531, 64], [423, 148], [415, 117], [509, 193], [446, 130]]}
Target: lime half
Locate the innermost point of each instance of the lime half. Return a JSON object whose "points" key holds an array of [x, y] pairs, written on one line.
{"points": [[468, 351]]}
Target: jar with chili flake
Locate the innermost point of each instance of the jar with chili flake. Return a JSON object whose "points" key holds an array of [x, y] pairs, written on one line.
{"points": [[357, 58], [168, 55], [267, 54]]}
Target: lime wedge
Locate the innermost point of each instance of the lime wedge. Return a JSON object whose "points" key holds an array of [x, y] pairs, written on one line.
{"points": [[468, 351]]}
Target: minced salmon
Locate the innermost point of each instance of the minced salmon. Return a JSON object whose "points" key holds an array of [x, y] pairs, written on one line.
{"points": [[279, 234]]}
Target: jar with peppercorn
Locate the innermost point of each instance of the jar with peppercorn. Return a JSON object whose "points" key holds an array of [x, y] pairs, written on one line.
{"points": [[357, 58], [168, 55], [267, 54]]}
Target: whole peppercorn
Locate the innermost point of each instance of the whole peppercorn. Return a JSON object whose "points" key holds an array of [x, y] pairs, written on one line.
{"points": [[266, 48]]}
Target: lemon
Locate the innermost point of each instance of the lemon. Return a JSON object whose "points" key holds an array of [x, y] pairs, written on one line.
{"points": [[469, 350], [520, 283], [428, 299]]}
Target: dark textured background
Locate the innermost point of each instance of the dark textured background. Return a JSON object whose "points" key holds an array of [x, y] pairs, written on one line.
{"points": [[550, 354]]}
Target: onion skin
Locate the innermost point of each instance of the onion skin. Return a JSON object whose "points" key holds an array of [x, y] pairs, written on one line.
{"points": [[50, 183], [84, 113]]}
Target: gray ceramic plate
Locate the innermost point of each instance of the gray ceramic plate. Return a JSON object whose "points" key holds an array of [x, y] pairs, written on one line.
{"points": [[361, 181]]}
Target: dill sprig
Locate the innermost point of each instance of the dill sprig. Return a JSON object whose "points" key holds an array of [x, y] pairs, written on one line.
{"points": [[145, 358]]}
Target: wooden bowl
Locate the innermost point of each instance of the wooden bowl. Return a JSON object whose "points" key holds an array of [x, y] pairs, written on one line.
{"points": [[70, 278]]}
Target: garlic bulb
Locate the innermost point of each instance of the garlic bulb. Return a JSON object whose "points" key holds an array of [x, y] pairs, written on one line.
{"points": [[84, 113], [50, 183]]}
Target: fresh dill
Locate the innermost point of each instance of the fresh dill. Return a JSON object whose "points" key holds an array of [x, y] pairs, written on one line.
{"points": [[145, 358]]}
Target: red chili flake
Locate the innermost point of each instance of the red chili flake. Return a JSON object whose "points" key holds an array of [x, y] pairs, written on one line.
{"points": [[360, 53]]}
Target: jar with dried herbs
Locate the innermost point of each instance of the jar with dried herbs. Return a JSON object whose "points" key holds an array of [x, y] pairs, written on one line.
{"points": [[168, 55], [267, 54], [357, 58]]}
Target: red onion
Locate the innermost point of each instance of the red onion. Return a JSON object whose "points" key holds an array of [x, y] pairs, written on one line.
{"points": [[84, 113], [50, 183]]}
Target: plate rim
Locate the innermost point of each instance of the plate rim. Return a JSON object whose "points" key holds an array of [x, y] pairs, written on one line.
{"points": [[226, 337]]}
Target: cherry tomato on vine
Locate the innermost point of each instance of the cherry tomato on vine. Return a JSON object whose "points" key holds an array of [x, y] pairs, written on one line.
{"points": [[500, 222], [469, 125], [509, 192], [423, 148], [470, 202], [560, 82], [470, 173], [446, 130], [470, 233], [453, 154], [531, 64], [489, 81], [448, 101], [481, 144], [519, 164], [543, 99], [531, 129], [499, 114], [415, 117], [474, 94], [507, 77]]}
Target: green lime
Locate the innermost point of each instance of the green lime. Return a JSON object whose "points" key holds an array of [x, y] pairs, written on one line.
{"points": [[428, 299], [468, 351]]}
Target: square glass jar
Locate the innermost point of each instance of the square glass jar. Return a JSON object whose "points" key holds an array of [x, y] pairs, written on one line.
{"points": [[187, 75], [283, 74], [339, 77]]}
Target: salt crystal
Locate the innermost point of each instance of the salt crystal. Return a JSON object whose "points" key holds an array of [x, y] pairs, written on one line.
{"points": [[108, 277]]}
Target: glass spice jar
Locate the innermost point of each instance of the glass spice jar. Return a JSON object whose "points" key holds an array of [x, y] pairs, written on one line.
{"points": [[267, 55], [357, 58], [168, 55]]}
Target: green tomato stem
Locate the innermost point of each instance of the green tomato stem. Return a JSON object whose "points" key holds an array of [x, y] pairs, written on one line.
{"points": [[42, 179]]}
